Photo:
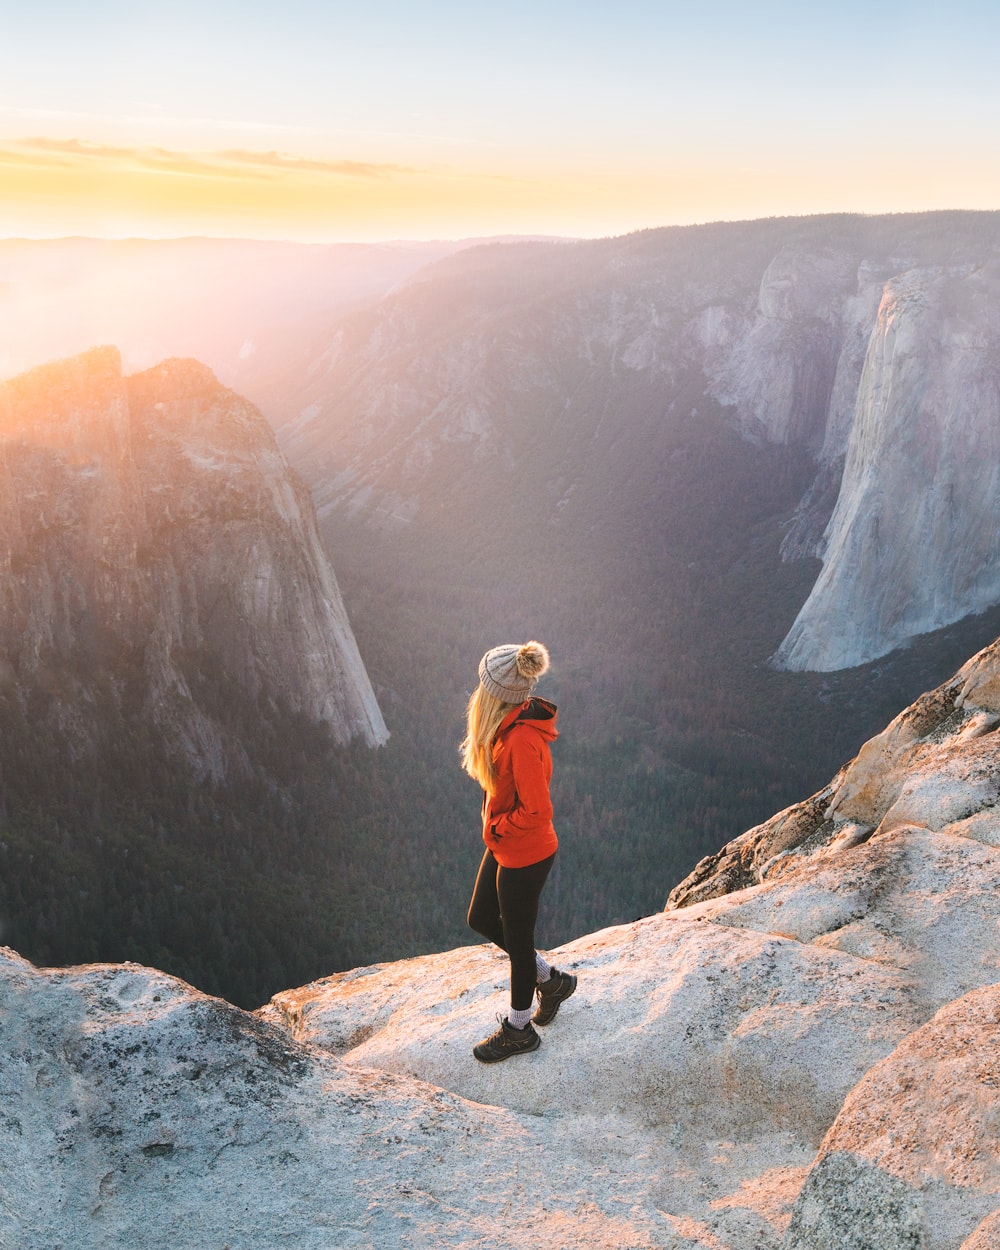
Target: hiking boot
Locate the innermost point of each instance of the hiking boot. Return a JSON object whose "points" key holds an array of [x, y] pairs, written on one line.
{"points": [[551, 993], [506, 1041]]}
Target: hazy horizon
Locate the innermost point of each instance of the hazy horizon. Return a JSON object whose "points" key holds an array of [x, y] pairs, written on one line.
{"points": [[466, 240]]}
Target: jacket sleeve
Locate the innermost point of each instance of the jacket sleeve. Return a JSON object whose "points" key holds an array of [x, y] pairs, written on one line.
{"points": [[533, 809]]}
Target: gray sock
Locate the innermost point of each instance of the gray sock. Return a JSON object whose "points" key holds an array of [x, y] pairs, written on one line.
{"points": [[543, 969], [519, 1019]]}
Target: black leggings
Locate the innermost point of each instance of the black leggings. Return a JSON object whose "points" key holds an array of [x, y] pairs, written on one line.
{"points": [[504, 908]]}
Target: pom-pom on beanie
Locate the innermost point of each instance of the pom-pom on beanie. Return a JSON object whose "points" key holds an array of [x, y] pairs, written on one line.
{"points": [[510, 672]]}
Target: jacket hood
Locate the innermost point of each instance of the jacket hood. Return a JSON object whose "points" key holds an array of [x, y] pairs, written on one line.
{"points": [[538, 714]]}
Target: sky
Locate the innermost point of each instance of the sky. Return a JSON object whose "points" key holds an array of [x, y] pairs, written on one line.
{"points": [[378, 120]]}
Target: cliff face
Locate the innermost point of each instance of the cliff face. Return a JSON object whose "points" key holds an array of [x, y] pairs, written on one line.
{"points": [[790, 366], [913, 541], [798, 1053], [156, 542]]}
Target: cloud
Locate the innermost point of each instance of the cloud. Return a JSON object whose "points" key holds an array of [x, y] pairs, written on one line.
{"points": [[33, 160], [285, 162], [73, 147], [40, 151]]}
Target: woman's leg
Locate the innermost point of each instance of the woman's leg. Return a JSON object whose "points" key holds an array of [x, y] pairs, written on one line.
{"points": [[484, 909], [518, 891]]}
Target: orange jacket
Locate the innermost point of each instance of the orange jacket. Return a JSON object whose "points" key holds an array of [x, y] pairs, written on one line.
{"points": [[517, 819]]}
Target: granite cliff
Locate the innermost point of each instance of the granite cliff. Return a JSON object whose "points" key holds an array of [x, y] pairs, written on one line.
{"points": [[912, 544], [798, 1053], [158, 551]]}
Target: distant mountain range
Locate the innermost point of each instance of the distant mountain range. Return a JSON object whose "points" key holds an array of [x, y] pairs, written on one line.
{"points": [[558, 387], [866, 345]]}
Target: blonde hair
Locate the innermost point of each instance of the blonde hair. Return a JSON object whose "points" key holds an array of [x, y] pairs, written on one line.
{"points": [[483, 718]]}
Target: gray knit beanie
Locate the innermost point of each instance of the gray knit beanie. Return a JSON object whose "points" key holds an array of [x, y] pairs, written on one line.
{"points": [[509, 672]]}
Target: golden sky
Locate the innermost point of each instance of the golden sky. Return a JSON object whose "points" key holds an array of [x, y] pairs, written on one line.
{"points": [[325, 122]]}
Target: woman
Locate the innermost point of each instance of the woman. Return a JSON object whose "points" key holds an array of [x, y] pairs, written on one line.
{"points": [[506, 749]]}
